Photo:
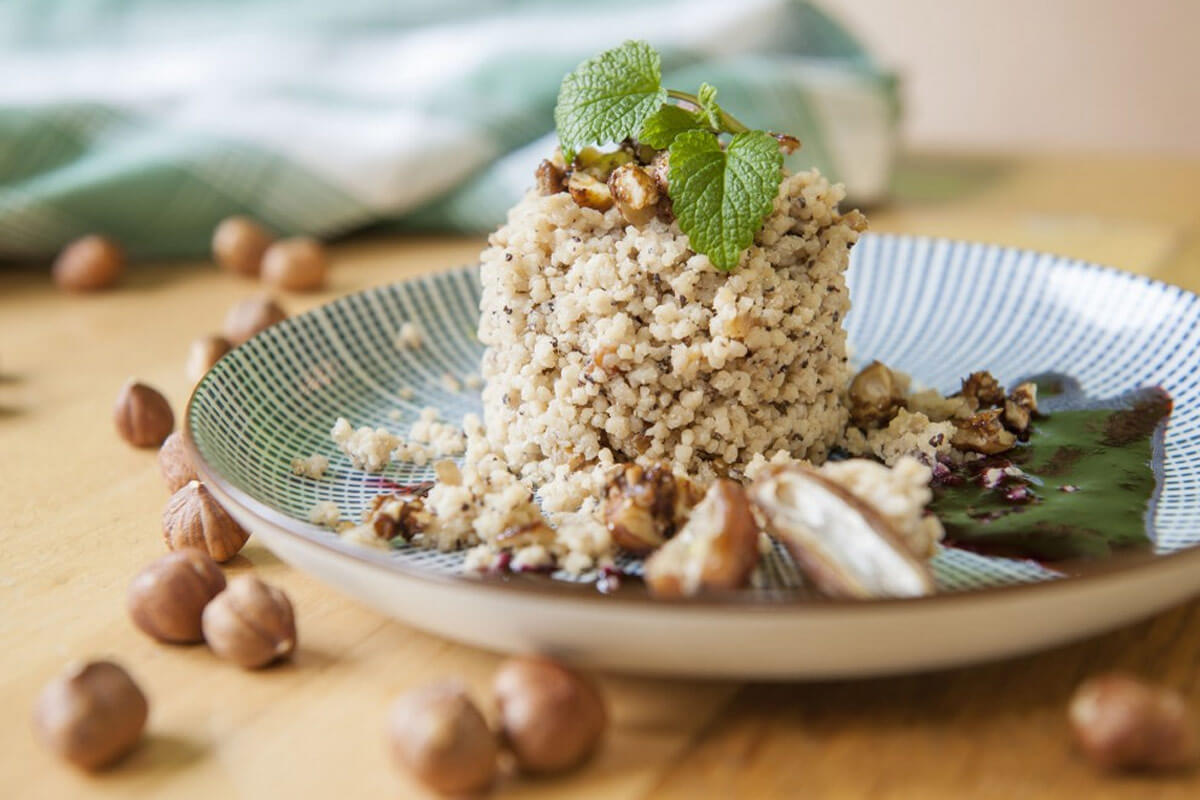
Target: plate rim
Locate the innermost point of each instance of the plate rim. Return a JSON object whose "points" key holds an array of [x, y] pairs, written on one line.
{"points": [[733, 602]]}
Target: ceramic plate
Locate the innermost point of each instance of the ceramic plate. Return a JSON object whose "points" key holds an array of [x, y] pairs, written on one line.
{"points": [[933, 308]]}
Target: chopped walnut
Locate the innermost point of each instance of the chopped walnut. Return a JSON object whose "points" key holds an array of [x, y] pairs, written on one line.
{"points": [[983, 432], [635, 193], [874, 396], [982, 390], [551, 179], [1020, 407], [644, 506], [787, 144], [589, 192]]}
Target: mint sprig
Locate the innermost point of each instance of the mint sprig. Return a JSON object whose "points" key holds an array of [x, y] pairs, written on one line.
{"points": [[723, 176]]}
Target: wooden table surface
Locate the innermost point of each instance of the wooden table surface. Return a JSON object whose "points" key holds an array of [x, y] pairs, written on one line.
{"points": [[81, 515]]}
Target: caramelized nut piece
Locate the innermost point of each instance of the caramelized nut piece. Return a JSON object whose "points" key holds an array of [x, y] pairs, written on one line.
{"points": [[982, 390], [1122, 723], [874, 396], [589, 192], [983, 432], [1020, 407], [660, 170], [644, 506], [392, 515], [439, 736], [635, 193], [550, 178], [715, 551], [842, 544]]}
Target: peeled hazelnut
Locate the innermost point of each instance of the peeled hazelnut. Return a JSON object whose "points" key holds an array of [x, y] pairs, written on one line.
{"points": [[251, 316], [88, 264], [874, 396], [193, 518], [635, 193], [167, 598], [250, 623], [550, 716], [1122, 723], [174, 463], [549, 178], [142, 415], [297, 264], [589, 192], [238, 245], [91, 715], [204, 352], [438, 735]]}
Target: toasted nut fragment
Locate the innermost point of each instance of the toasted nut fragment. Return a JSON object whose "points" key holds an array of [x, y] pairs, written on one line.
{"points": [[715, 551], [550, 178], [635, 193], [194, 518], [982, 390], [393, 515], [166, 598], [91, 715], [1020, 407], [660, 170], [439, 736], [874, 396], [1123, 723], [250, 623], [842, 544], [983, 432], [550, 716], [589, 192], [787, 144], [644, 506]]}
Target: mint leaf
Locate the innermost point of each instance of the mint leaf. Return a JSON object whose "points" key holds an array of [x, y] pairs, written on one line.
{"points": [[706, 98], [609, 97], [721, 197], [667, 123]]}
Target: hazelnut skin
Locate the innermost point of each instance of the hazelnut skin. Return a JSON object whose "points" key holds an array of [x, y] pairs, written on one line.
{"points": [[298, 264], [203, 354], [551, 717], [251, 316], [250, 623], [238, 245], [166, 598], [194, 518], [1120, 722], [439, 735], [88, 264], [142, 415], [91, 714], [174, 463]]}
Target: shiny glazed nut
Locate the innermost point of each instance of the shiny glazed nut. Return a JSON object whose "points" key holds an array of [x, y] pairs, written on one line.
{"points": [[715, 551], [982, 390], [194, 518], [238, 245], [589, 192], [551, 717], [203, 354], [89, 264], [91, 715], [250, 623], [166, 598], [550, 178], [643, 506], [251, 316], [1120, 722], [174, 463], [874, 397], [142, 415], [635, 194], [983, 432], [1020, 407], [438, 735], [298, 264]]}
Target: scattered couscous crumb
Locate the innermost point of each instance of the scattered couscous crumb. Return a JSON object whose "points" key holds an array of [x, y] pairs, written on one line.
{"points": [[409, 336], [369, 449], [451, 383], [325, 513], [395, 415], [313, 466], [442, 438], [405, 393], [473, 380]]}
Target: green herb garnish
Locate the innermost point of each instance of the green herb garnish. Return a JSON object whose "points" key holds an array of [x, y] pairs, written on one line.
{"points": [[723, 176]]}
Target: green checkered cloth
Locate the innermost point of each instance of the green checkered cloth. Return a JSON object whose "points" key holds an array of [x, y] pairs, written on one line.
{"points": [[150, 120]]}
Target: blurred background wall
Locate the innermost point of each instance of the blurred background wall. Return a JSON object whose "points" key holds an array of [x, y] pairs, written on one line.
{"points": [[1050, 74]]}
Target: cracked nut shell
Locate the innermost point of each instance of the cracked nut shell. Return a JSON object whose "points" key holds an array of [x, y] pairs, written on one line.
{"points": [[91, 714], [194, 518], [250, 623], [437, 733], [167, 597], [142, 415]]}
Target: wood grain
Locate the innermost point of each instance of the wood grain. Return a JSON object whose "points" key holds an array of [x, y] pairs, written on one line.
{"points": [[81, 515]]}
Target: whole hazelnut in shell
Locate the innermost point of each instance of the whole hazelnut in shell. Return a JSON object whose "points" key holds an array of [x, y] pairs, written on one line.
{"points": [[250, 623], [175, 464], [298, 264], [142, 415], [439, 735], [89, 264], [250, 317], [1120, 722], [238, 245], [194, 518], [166, 598], [91, 714], [203, 354]]}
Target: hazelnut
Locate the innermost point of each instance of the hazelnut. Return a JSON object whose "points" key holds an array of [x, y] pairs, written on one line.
{"points": [[438, 735], [297, 264], [983, 432], [250, 623], [193, 518], [91, 714], [1122, 723], [167, 597], [874, 396], [551, 717], [643, 506], [251, 316], [635, 192], [174, 463], [1020, 407], [982, 390], [589, 192], [204, 352], [88, 264], [238, 245], [142, 415], [550, 178]]}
